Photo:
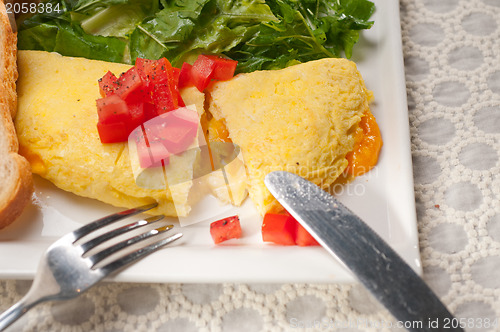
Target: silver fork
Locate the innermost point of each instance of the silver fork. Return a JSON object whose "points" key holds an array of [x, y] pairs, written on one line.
{"points": [[65, 271]]}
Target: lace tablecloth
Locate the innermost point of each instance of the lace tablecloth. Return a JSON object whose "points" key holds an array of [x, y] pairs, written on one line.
{"points": [[452, 60]]}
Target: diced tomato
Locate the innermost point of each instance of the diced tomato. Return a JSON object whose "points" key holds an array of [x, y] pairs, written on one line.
{"points": [[174, 86], [208, 67], [136, 111], [303, 238], [144, 68], [108, 84], [175, 74], [224, 68], [225, 229], [284, 229], [140, 95], [202, 72], [128, 83], [279, 229], [112, 132], [163, 98], [161, 71], [153, 71], [112, 109], [185, 78], [180, 101], [151, 88], [149, 110]]}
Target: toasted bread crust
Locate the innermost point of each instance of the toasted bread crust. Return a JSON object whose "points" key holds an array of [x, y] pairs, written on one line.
{"points": [[20, 190], [16, 183], [8, 52]]}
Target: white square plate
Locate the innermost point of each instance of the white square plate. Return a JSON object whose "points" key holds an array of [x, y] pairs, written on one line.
{"points": [[384, 198]]}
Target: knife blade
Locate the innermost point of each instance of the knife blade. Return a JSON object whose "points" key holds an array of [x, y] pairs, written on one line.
{"points": [[376, 265]]}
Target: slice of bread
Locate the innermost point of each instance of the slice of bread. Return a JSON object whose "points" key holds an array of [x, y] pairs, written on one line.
{"points": [[16, 183]]}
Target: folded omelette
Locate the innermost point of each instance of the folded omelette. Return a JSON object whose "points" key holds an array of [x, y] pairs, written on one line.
{"points": [[56, 126], [301, 119]]}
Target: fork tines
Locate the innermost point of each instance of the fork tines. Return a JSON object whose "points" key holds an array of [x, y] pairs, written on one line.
{"points": [[95, 258], [100, 223]]}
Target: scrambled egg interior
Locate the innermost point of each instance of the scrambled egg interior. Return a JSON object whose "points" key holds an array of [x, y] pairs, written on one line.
{"points": [[56, 125], [302, 119]]}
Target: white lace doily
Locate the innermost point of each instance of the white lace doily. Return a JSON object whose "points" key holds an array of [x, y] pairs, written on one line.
{"points": [[452, 60]]}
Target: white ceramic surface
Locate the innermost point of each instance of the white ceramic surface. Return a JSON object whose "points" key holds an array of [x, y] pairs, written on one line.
{"points": [[384, 198]]}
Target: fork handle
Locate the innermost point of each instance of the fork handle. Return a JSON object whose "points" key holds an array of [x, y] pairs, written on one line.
{"points": [[15, 312]]}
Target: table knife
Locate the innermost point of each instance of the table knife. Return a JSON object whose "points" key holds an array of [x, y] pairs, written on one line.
{"points": [[375, 264]]}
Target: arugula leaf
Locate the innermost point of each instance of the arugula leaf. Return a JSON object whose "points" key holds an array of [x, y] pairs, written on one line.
{"points": [[166, 31], [56, 32], [258, 34], [69, 39], [116, 18], [307, 30], [89, 5], [183, 29], [72, 41], [95, 29]]}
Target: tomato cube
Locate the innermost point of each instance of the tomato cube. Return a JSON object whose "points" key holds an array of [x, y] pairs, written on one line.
{"points": [[163, 98], [284, 229], [202, 72], [180, 101], [143, 66], [174, 86], [185, 78], [140, 95], [112, 132], [136, 111], [108, 84], [149, 111], [153, 71], [175, 73], [225, 229], [128, 82], [208, 67], [279, 229], [303, 238], [112, 109], [224, 68], [162, 70], [148, 89]]}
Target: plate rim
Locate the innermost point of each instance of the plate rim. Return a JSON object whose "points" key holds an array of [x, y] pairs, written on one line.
{"points": [[133, 274]]}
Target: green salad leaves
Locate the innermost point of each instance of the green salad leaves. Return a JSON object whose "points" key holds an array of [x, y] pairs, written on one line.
{"points": [[258, 34]]}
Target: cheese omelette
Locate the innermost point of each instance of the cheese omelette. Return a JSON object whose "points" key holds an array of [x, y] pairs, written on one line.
{"points": [[56, 125], [302, 119]]}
